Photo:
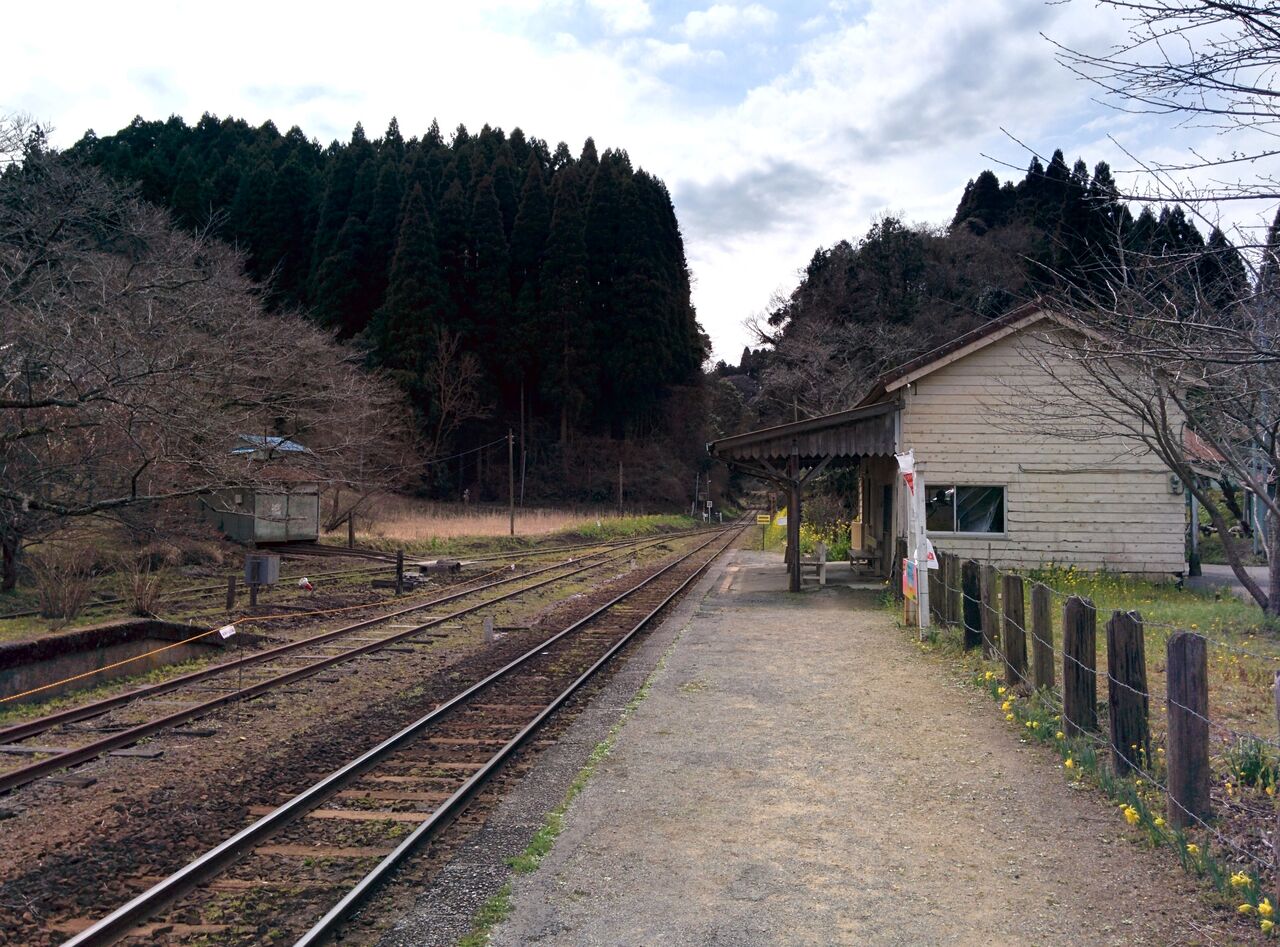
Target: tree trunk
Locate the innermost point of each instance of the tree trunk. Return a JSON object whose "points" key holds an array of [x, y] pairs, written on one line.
{"points": [[1273, 569], [9, 573]]}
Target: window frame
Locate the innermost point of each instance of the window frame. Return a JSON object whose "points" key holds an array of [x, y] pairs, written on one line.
{"points": [[956, 485]]}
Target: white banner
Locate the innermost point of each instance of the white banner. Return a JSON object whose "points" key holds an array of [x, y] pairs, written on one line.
{"points": [[227, 631]]}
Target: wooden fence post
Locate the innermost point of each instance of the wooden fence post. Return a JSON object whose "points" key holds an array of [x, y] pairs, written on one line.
{"points": [[1127, 693], [231, 593], [399, 571], [954, 614], [1079, 667], [990, 617], [1187, 755], [1015, 634], [971, 613], [1041, 637]]}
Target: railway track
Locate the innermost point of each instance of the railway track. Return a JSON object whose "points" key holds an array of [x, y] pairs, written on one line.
{"points": [[382, 558], [299, 870], [124, 719]]}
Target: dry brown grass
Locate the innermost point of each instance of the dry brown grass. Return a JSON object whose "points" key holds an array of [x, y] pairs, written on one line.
{"points": [[400, 519]]}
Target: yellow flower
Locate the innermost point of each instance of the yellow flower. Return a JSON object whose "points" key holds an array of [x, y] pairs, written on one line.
{"points": [[1267, 926], [1001, 689], [1131, 815], [1264, 907], [1035, 724], [1070, 763], [1194, 626], [1007, 705], [1193, 848], [1008, 716], [1060, 735], [1138, 783], [1159, 822], [1240, 880], [1271, 790], [1245, 909]]}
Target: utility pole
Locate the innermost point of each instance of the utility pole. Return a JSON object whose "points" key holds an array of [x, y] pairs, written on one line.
{"points": [[619, 482], [524, 450], [511, 478]]}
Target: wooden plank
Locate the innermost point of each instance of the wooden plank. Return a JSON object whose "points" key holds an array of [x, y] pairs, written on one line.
{"points": [[323, 851], [19, 749], [1014, 638], [971, 611], [1187, 753], [1127, 700], [392, 795], [352, 815], [1079, 667], [1041, 636], [990, 615]]}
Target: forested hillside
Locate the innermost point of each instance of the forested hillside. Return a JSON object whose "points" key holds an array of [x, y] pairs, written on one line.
{"points": [[496, 278], [862, 307]]}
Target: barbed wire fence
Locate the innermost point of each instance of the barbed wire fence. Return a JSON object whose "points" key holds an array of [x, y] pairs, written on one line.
{"points": [[1142, 743]]}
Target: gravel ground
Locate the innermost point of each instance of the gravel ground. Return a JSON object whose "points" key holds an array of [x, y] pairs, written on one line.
{"points": [[800, 774], [442, 912], [68, 852]]}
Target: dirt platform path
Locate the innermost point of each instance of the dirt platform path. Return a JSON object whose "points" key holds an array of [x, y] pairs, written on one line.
{"points": [[799, 774]]}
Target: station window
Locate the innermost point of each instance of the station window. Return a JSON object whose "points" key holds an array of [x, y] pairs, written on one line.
{"points": [[964, 509]]}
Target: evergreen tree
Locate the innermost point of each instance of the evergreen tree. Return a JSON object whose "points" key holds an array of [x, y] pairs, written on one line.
{"points": [[490, 285], [564, 303], [402, 333]]}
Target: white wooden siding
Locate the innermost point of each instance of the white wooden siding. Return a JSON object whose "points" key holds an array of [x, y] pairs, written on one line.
{"points": [[1100, 503]]}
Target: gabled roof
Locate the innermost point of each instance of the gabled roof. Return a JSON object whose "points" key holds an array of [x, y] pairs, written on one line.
{"points": [[868, 429], [957, 348]]}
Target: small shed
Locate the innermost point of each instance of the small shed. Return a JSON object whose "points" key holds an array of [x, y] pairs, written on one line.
{"points": [[279, 501], [999, 485]]}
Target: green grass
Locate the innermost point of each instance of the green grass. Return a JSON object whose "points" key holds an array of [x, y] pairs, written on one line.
{"points": [[14, 713]]}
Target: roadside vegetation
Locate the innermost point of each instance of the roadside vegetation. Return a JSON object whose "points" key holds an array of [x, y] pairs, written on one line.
{"points": [[1233, 855]]}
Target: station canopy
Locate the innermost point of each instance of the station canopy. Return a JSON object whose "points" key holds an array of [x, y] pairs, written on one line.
{"points": [[852, 434]]}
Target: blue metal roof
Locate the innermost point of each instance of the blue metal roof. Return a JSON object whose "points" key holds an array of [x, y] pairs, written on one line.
{"points": [[253, 443]]}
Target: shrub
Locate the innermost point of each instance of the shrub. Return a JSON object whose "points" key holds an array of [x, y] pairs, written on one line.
{"points": [[63, 577]]}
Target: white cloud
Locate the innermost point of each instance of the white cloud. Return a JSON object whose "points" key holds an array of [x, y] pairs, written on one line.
{"points": [[891, 110], [726, 19], [623, 16]]}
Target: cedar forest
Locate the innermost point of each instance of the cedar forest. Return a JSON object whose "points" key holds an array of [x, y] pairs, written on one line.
{"points": [[555, 288]]}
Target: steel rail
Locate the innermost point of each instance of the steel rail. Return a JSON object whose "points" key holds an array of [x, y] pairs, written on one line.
{"points": [[22, 775], [116, 924], [29, 728], [339, 551], [450, 807], [196, 592]]}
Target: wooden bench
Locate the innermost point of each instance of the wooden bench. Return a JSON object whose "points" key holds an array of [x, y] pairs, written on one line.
{"points": [[817, 562], [869, 560]]}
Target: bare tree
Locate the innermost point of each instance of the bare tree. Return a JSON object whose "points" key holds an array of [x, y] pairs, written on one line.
{"points": [[1190, 372], [452, 381], [131, 354], [1209, 64]]}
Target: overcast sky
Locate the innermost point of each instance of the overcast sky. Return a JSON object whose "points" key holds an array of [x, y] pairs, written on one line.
{"points": [[778, 127]]}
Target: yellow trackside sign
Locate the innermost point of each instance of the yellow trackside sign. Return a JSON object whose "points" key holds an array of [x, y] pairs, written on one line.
{"points": [[762, 519]]}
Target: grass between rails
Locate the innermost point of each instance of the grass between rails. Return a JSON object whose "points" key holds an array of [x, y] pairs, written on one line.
{"points": [[498, 908], [424, 527], [1232, 855]]}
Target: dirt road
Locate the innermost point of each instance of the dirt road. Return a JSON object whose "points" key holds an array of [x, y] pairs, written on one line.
{"points": [[801, 774]]}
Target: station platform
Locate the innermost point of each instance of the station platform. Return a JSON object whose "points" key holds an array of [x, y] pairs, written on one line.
{"points": [[799, 773]]}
